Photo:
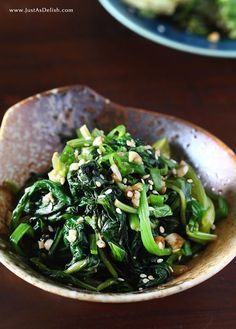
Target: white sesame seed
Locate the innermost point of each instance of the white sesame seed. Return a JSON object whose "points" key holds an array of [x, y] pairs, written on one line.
{"points": [[101, 196], [140, 289], [162, 230], [98, 184], [190, 180], [160, 260], [146, 176], [213, 227], [160, 245], [121, 279], [142, 180], [125, 180], [48, 243], [130, 143], [101, 175], [50, 228], [118, 211], [155, 192], [72, 235], [134, 257], [80, 220], [146, 280], [150, 277], [150, 187], [142, 275], [101, 244], [99, 151], [41, 244], [196, 255], [150, 182], [171, 269], [109, 191], [74, 166], [179, 258], [129, 194]]}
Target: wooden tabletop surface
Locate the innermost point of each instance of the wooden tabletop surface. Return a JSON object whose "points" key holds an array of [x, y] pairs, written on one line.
{"points": [[43, 51]]}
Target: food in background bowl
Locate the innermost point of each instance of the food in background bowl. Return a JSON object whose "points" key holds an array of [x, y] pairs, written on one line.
{"points": [[114, 214], [212, 18]]}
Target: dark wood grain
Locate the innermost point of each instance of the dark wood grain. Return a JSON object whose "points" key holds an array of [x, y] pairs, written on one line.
{"points": [[42, 51]]}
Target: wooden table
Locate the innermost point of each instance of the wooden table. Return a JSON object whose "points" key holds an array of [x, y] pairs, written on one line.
{"points": [[43, 51]]}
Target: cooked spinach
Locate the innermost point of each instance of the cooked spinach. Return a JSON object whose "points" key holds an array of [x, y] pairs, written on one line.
{"points": [[115, 215]]}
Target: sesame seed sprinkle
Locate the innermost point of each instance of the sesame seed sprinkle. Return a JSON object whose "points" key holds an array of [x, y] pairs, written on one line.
{"points": [[160, 245], [98, 184], [125, 180], [171, 269], [118, 211], [146, 280], [121, 279], [142, 275], [162, 230], [109, 191], [50, 228], [150, 182], [160, 260], [150, 277]]}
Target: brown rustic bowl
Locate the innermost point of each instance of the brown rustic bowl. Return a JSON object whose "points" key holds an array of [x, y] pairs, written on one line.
{"points": [[33, 129]]}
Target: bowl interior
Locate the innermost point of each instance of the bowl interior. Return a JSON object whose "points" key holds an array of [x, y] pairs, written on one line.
{"points": [[160, 31], [33, 129]]}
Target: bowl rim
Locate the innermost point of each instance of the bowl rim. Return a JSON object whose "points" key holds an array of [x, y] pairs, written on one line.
{"points": [[113, 11], [63, 290]]}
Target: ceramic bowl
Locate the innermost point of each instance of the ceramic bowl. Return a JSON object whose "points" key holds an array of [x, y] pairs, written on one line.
{"points": [[33, 129], [164, 33]]}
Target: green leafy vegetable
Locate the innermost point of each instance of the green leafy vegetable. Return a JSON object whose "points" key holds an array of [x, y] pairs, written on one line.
{"points": [[111, 213]]}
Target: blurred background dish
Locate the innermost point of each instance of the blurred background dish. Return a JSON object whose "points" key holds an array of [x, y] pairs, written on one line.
{"points": [[163, 31]]}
